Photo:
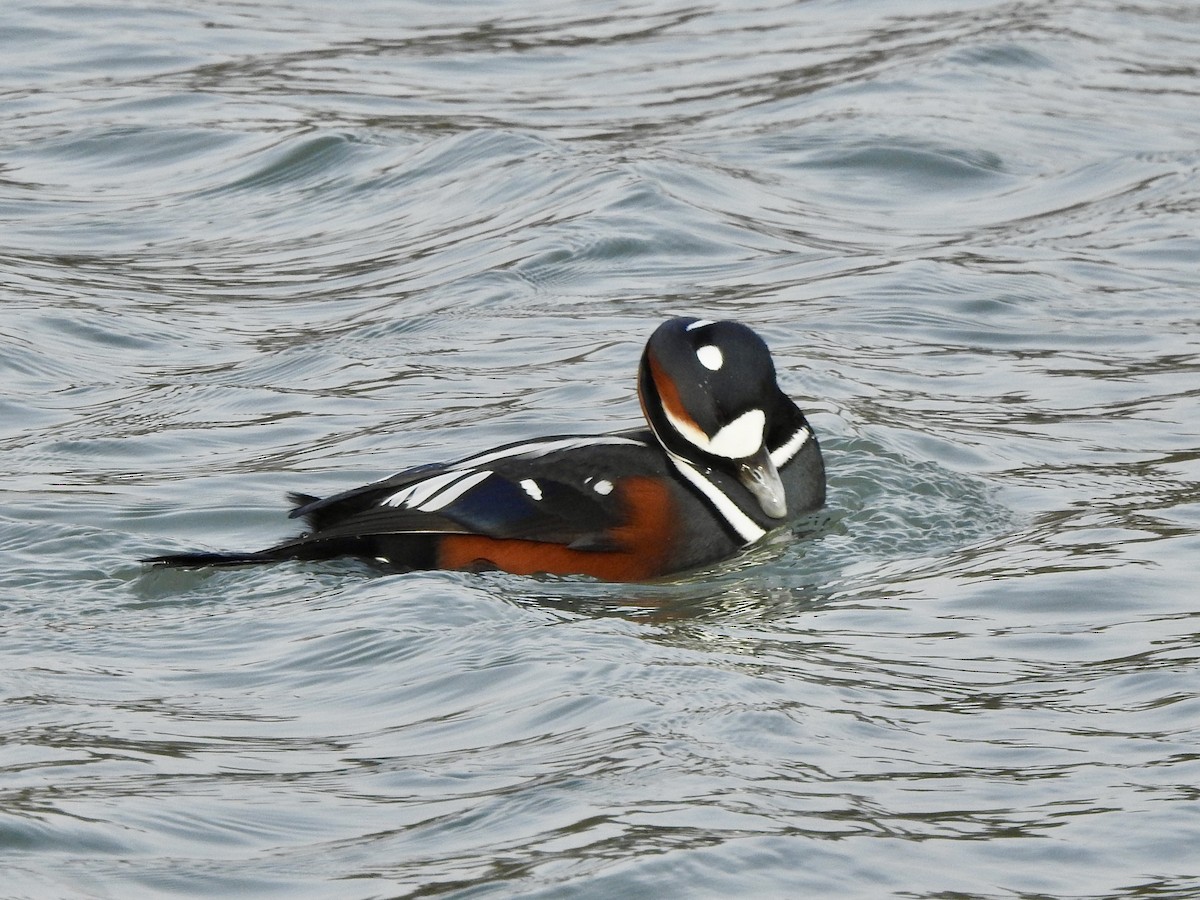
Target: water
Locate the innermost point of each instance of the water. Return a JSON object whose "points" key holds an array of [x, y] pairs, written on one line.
{"points": [[256, 248]]}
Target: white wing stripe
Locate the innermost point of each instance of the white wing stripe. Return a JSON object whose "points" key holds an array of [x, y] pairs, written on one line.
{"points": [[437, 491], [416, 494], [454, 491]]}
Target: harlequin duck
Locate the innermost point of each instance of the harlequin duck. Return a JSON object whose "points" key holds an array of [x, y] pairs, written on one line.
{"points": [[727, 458]]}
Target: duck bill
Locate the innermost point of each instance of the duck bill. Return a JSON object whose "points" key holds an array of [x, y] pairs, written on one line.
{"points": [[760, 477]]}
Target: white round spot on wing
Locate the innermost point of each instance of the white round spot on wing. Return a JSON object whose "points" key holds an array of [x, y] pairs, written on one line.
{"points": [[603, 486], [710, 357], [532, 488]]}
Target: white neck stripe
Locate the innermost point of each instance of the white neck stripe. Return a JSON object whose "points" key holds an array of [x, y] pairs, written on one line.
{"points": [[748, 530], [686, 429], [783, 455], [740, 438]]}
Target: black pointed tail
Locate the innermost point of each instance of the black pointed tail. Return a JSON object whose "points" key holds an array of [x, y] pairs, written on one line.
{"points": [[197, 560]]}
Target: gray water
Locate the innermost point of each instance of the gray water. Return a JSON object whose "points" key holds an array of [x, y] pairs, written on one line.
{"points": [[251, 248]]}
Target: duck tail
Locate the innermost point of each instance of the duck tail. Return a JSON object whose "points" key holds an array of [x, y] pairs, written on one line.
{"points": [[201, 559]]}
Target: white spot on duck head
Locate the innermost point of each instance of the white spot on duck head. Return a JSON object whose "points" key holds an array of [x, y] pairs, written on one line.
{"points": [[710, 357]]}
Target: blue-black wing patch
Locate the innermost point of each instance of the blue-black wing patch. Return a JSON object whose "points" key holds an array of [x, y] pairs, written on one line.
{"points": [[561, 490]]}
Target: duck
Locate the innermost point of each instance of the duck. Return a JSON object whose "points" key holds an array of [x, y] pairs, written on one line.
{"points": [[724, 459]]}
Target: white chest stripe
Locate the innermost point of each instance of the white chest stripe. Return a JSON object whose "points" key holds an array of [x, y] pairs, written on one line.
{"points": [[747, 528], [785, 454]]}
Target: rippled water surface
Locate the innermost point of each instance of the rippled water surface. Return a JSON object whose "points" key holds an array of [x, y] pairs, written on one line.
{"points": [[250, 248]]}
